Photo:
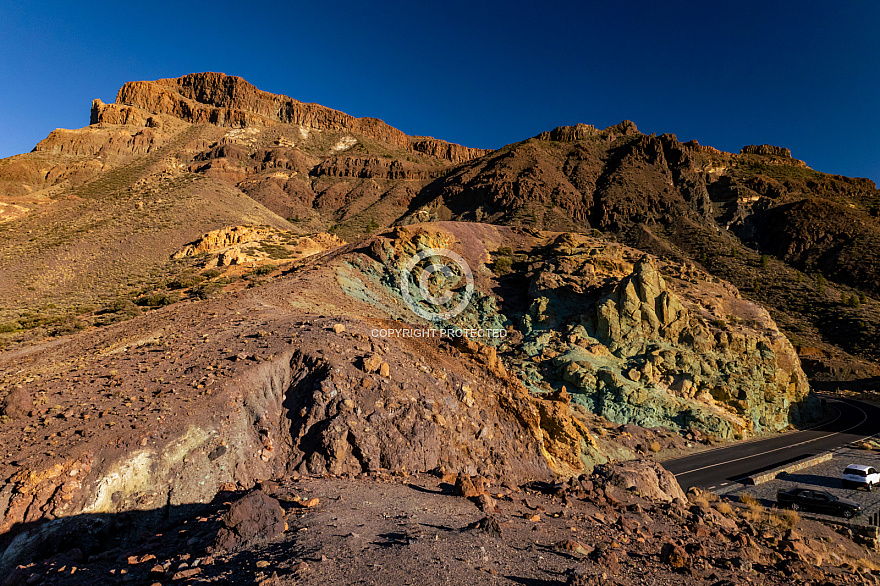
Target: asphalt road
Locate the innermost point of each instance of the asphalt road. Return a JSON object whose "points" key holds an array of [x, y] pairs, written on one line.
{"points": [[719, 467]]}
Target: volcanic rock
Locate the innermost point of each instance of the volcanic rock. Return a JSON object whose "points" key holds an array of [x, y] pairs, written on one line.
{"points": [[644, 477], [253, 518], [17, 403]]}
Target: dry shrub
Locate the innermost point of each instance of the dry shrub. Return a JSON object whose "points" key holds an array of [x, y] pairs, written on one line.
{"points": [[700, 501], [755, 509], [866, 565], [711, 497], [724, 508], [750, 500], [784, 519]]}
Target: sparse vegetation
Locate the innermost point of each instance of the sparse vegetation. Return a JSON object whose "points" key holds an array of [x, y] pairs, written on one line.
{"points": [[503, 263], [185, 281], [275, 251], [207, 290], [784, 519], [159, 299]]}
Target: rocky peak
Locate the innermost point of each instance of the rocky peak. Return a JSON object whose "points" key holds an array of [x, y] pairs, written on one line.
{"points": [[640, 309], [765, 149], [586, 131]]}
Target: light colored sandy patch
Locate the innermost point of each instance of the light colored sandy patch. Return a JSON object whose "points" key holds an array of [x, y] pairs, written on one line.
{"points": [[344, 143], [11, 211]]}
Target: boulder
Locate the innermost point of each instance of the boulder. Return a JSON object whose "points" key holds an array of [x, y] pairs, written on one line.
{"points": [[645, 477], [17, 404], [254, 518], [675, 556]]}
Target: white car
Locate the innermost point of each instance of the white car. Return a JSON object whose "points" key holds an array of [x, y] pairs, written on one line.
{"points": [[859, 476]]}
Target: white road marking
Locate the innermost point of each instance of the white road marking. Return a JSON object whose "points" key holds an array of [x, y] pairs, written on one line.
{"points": [[760, 439], [865, 418]]}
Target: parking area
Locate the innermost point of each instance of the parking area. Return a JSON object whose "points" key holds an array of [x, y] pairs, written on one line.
{"points": [[824, 476]]}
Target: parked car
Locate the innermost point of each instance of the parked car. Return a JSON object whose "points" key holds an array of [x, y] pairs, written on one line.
{"points": [[859, 476], [818, 501]]}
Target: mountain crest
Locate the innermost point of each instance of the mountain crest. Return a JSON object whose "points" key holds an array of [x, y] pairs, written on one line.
{"points": [[230, 101]]}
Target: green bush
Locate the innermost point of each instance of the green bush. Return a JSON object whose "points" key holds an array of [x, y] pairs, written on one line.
{"points": [[504, 251], [124, 305], [502, 265], [68, 325], [764, 260], [207, 290], [211, 273], [186, 281], [263, 270], [158, 299]]}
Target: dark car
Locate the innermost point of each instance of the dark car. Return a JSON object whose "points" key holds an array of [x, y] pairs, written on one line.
{"points": [[817, 501]]}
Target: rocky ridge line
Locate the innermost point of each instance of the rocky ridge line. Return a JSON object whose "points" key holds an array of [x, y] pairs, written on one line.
{"points": [[223, 100]]}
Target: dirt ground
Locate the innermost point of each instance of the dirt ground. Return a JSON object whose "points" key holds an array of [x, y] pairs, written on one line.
{"points": [[387, 529]]}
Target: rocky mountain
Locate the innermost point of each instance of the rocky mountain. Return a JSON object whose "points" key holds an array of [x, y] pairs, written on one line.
{"points": [[802, 242], [204, 294], [291, 377], [101, 209]]}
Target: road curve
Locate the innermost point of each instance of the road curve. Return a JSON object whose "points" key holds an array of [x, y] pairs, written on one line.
{"points": [[724, 465]]}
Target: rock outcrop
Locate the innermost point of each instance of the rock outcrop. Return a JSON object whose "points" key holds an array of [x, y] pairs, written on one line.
{"points": [[217, 240], [237, 245], [254, 518], [631, 347], [766, 149]]}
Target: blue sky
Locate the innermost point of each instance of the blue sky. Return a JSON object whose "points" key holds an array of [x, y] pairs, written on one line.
{"points": [[805, 75]]}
